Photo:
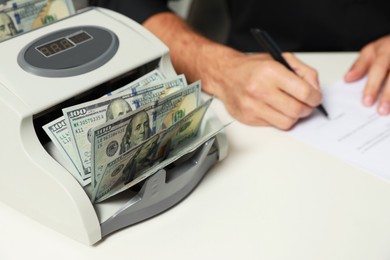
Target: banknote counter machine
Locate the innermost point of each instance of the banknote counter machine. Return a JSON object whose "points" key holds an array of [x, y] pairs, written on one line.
{"points": [[71, 61]]}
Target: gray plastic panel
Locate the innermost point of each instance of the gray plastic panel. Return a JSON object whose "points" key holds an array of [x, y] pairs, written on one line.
{"points": [[84, 56]]}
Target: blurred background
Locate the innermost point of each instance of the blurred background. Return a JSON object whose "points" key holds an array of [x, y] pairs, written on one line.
{"points": [[208, 17]]}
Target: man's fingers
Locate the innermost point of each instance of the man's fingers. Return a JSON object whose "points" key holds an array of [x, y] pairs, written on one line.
{"points": [[302, 70], [285, 104], [253, 112], [360, 66], [376, 77], [286, 80], [301, 90], [273, 117], [384, 102]]}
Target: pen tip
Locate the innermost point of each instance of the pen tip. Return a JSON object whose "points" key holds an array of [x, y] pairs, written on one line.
{"points": [[323, 111]]}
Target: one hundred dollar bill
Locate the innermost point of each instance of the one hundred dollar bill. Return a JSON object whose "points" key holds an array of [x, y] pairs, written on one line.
{"points": [[115, 137], [58, 133], [83, 117], [168, 113], [183, 132], [116, 177], [139, 84], [120, 171], [143, 160], [18, 16]]}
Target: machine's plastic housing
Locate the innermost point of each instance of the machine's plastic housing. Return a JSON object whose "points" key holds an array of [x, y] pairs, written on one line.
{"points": [[33, 182]]}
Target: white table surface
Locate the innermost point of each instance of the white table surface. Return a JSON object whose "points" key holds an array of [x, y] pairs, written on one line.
{"points": [[272, 198]]}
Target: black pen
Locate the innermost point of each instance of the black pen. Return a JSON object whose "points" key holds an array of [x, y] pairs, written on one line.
{"points": [[270, 46]]}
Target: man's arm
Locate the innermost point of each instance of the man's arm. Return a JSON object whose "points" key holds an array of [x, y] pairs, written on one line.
{"points": [[255, 89], [138, 10]]}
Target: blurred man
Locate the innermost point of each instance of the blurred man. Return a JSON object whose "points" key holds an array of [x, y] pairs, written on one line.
{"points": [[256, 89]]}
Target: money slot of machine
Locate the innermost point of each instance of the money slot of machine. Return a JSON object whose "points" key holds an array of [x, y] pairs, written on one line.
{"points": [[78, 59]]}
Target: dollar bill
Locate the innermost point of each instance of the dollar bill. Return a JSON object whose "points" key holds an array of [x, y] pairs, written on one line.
{"points": [[58, 133], [115, 178], [183, 132], [139, 84], [18, 16], [115, 137], [83, 117], [170, 110], [122, 168], [137, 163]]}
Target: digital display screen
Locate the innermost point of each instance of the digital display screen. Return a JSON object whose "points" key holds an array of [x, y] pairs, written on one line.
{"points": [[80, 37], [63, 44], [54, 47]]}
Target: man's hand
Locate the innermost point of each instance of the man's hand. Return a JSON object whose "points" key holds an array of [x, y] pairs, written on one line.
{"points": [[374, 60], [260, 91]]}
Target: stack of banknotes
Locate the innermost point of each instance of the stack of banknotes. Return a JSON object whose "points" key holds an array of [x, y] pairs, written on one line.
{"points": [[120, 139], [18, 16]]}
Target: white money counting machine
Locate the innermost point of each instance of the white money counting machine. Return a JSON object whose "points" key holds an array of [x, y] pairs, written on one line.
{"points": [[70, 61]]}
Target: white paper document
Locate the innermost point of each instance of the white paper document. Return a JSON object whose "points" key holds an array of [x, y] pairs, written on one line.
{"points": [[352, 132]]}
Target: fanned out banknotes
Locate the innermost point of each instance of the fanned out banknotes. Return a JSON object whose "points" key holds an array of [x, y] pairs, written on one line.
{"points": [[18, 16], [129, 167], [118, 140]]}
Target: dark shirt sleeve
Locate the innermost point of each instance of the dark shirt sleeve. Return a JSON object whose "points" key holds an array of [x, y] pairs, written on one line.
{"points": [[138, 10]]}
